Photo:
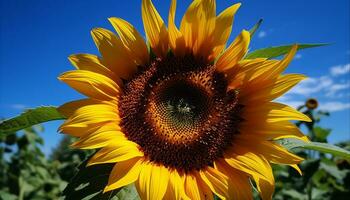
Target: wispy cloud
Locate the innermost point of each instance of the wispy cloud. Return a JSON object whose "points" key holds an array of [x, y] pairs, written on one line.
{"points": [[333, 89], [298, 56], [262, 34], [331, 106], [18, 106], [340, 70], [324, 84], [294, 104], [312, 85], [334, 106]]}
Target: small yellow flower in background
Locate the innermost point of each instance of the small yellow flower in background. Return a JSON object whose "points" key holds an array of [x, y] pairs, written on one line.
{"points": [[193, 120]]}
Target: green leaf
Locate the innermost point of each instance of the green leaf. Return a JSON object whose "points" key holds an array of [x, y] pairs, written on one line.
{"points": [[8, 196], [292, 143], [255, 28], [333, 170], [89, 183], [272, 52], [321, 134], [294, 194], [128, 192], [29, 118]]}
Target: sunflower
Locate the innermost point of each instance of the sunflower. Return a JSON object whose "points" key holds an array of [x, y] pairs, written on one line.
{"points": [[183, 117]]}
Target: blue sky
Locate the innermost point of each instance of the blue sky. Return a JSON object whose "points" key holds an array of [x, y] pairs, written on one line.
{"points": [[37, 36]]}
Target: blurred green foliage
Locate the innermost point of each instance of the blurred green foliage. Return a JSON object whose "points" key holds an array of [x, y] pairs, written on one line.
{"points": [[324, 176], [27, 173]]}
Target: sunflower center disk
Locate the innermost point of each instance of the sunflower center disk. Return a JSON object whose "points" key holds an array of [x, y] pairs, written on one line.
{"points": [[179, 112], [177, 109]]}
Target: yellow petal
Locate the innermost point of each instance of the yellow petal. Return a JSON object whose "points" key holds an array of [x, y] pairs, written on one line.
{"points": [[90, 128], [265, 188], [91, 84], [304, 137], [273, 112], [176, 39], [90, 115], [239, 186], [132, 40], [248, 70], [114, 55], [176, 189], [256, 72], [198, 25], [240, 75], [243, 159], [98, 140], [271, 131], [277, 154], [192, 188], [203, 187], [120, 149], [234, 53], [153, 181], [223, 28], [91, 63], [123, 173], [269, 90], [155, 29], [272, 151], [216, 181], [295, 166], [283, 64], [69, 108]]}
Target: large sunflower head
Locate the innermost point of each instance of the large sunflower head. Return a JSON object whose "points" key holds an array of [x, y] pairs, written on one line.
{"points": [[186, 117]]}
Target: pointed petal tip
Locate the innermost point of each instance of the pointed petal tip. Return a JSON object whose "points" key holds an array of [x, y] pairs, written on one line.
{"points": [[305, 139], [97, 32], [91, 162], [61, 77], [65, 75], [245, 33], [237, 5], [107, 189], [303, 76], [296, 167], [112, 20], [74, 145], [306, 119]]}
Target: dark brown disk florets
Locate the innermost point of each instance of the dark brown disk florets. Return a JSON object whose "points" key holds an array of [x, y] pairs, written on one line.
{"points": [[179, 111]]}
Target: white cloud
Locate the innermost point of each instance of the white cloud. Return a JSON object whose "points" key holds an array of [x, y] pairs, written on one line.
{"points": [[298, 56], [327, 88], [331, 106], [340, 69], [294, 104], [283, 98], [312, 85], [333, 89], [262, 34], [324, 84], [334, 106], [18, 106]]}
